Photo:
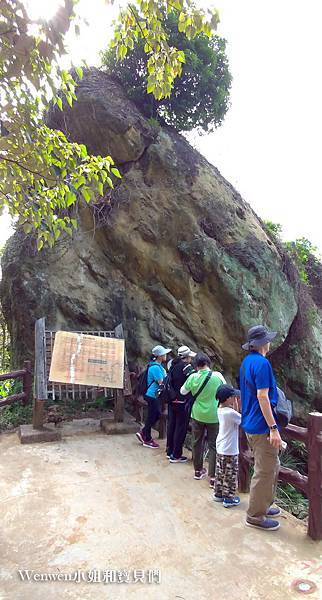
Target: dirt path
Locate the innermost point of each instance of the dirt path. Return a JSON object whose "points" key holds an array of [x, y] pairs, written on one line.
{"points": [[105, 503]]}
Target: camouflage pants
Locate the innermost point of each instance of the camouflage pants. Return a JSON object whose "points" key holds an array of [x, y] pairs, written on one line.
{"points": [[226, 475]]}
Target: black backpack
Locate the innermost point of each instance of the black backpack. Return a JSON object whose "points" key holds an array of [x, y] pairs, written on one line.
{"points": [[166, 392], [143, 382]]}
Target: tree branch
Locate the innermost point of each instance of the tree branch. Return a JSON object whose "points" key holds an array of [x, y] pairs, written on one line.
{"points": [[16, 162], [8, 31], [139, 25]]}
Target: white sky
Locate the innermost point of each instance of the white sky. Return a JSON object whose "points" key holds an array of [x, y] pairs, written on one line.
{"points": [[269, 145]]}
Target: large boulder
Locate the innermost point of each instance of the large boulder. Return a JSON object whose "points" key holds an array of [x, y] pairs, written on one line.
{"points": [[178, 256]]}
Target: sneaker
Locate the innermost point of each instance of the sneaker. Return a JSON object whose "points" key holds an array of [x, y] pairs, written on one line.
{"points": [[140, 437], [200, 474], [266, 525], [168, 455], [212, 483], [150, 444], [218, 498], [182, 459], [274, 512], [228, 502]]}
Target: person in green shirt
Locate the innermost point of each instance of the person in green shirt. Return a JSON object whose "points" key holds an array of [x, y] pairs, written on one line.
{"points": [[203, 386]]}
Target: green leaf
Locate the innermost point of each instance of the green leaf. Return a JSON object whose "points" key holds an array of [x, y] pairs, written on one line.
{"points": [[40, 244], [69, 99], [100, 188], [79, 72], [59, 102], [181, 56], [65, 76], [83, 150], [70, 198], [116, 172], [87, 194], [79, 181]]}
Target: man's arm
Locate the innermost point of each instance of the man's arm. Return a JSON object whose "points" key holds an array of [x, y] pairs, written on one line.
{"points": [[264, 402], [185, 389]]}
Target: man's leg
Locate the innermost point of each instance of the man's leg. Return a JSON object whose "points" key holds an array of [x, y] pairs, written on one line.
{"points": [[278, 464], [197, 444], [212, 432], [152, 417], [180, 430], [262, 487], [170, 428]]}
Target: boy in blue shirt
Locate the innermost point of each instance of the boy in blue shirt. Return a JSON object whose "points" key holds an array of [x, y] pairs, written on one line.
{"points": [[259, 398], [155, 377]]}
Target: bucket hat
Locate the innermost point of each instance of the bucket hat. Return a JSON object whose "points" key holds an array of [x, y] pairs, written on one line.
{"points": [[257, 336]]}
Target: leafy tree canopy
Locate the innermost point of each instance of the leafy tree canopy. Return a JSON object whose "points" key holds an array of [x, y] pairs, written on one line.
{"points": [[42, 174], [199, 98], [301, 250]]}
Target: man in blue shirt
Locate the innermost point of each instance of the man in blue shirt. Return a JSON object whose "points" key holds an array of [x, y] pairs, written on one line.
{"points": [[259, 398]]}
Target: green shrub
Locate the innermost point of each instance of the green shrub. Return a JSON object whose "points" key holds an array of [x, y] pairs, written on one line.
{"points": [[292, 500], [274, 229], [301, 250], [14, 415]]}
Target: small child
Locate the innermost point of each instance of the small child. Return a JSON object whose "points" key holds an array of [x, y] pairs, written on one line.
{"points": [[227, 446]]}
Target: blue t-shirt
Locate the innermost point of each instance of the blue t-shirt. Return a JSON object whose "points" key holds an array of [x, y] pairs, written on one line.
{"points": [[260, 375], [155, 373]]}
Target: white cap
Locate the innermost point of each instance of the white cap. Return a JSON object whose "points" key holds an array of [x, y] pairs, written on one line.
{"points": [[184, 352], [160, 351]]}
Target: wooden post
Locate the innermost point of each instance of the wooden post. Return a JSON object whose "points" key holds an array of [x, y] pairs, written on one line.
{"points": [[27, 381], [315, 475], [40, 375], [243, 464], [119, 394]]}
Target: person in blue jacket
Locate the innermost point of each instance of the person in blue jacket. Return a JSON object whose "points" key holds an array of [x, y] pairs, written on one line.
{"points": [[155, 377]]}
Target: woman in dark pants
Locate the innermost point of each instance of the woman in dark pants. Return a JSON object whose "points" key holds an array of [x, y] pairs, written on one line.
{"points": [[177, 414], [156, 375]]}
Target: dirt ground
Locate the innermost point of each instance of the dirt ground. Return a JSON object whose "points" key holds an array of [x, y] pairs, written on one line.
{"points": [[106, 508]]}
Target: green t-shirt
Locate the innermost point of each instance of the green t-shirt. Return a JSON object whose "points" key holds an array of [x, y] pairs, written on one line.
{"points": [[205, 406]]}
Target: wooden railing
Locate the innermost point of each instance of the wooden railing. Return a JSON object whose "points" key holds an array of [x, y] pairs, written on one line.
{"points": [[311, 484], [26, 375]]}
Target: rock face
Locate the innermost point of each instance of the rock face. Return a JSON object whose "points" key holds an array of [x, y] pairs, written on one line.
{"points": [[178, 257]]}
